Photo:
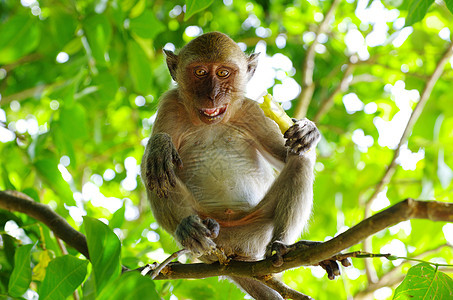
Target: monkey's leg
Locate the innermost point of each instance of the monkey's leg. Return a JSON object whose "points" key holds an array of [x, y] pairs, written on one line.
{"points": [[290, 197], [289, 200], [256, 289]]}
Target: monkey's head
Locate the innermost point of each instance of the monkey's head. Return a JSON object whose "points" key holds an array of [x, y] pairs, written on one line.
{"points": [[212, 73]]}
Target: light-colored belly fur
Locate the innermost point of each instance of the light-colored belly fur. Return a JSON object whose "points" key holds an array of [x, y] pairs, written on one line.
{"points": [[223, 170]]}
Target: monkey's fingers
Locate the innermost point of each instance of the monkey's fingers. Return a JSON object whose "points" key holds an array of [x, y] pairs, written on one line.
{"points": [[278, 250], [176, 159], [346, 262], [212, 226], [170, 174], [288, 133], [163, 185], [194, 235], [331, 267]]}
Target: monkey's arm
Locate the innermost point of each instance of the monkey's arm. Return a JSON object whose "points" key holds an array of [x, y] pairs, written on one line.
{"points": [[173, 205], [289, 200]]}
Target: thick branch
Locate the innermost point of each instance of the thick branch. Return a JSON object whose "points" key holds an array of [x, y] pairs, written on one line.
{"points": [[405, 210], [301, 256], [308, 67], [15, 201]]}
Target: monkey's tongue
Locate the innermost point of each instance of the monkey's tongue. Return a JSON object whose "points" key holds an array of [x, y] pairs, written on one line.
{"points": [[213, 112]]}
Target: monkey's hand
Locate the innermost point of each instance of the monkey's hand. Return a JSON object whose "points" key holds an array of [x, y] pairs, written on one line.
{"points": [[160, 160], [196, 234], [302, 136]]}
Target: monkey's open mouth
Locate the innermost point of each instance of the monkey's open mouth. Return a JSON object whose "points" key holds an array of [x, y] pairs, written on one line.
{"points": [[213, 112]]}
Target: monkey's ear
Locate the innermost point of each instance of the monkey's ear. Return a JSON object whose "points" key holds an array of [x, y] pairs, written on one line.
{"points": [[252, 63], [172, 63]]}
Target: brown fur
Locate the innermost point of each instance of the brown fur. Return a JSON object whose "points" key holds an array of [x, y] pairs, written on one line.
{"points": [[228, 162]]}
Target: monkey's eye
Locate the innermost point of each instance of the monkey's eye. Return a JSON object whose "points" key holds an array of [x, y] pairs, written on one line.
{"points": [[223, 73], [200, 72]]}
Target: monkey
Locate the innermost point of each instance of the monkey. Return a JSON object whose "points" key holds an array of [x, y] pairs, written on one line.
{"points": [[217, 171]]}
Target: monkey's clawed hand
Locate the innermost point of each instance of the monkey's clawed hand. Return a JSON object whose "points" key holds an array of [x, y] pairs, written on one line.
{"points": [[196, 234], [302, 136], [160, 163]]}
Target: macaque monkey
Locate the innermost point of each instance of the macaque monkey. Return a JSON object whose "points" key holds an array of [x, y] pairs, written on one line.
{"points": [[210, 164]]}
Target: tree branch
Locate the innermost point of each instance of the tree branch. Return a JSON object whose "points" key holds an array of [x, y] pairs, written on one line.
{"points": [[285, 291], [300, 256], [36, 90], [394, 276], [388, 174], [424, 97], [341, 87], [308, 87], [16, 201]]}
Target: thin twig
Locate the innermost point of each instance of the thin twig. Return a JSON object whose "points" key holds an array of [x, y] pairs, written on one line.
{"points": [[341, 87], [285, 291], [395, 275], [36, 90], [308, 87], [424, 97], [175, 255]]}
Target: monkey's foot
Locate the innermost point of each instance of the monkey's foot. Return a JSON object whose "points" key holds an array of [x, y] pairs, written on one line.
{"points": [[278, 250], [196, 235]]}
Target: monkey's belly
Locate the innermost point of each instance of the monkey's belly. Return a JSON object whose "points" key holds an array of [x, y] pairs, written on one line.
{"points": [[226, 174]]}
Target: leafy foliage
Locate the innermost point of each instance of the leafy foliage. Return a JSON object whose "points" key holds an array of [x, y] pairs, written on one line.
{"points": [[79, 89], [63, 275], [104, 248], [425, 282], [21, 277]]}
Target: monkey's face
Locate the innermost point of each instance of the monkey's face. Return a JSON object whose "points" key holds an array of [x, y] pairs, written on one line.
{"points": [[211, 88]]}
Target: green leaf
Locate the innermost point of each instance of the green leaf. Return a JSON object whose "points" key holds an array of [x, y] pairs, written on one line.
{"points": [[449, 4], [99, 34], [104, 248], [146, 25], [417, 11], [117, 219], [63, 26], [47, 168], [194, 6], [19, 36], [130, 286], [73, 121], [21, 277], [63, 275], [8, 185], [139, 67], [106, 86], [424, 282]]}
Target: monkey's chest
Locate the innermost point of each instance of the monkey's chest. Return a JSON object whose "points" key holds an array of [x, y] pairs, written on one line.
{"points": [[225, 172]]}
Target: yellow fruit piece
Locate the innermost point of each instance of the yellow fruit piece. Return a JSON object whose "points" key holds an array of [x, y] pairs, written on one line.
{"points": [[275, 111]]}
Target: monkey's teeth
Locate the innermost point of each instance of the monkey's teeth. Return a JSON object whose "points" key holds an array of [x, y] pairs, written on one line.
{"points": [[211, 112]]}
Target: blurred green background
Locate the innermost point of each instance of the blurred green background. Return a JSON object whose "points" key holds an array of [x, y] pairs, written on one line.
{"points": [[79, 88]]}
